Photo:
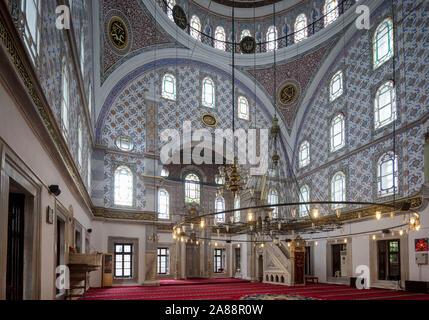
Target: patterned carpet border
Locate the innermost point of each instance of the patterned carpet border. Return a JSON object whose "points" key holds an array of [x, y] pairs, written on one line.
{"points": [[271, 296]]}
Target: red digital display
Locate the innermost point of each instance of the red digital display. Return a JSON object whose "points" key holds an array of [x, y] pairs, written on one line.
{"points": [[421, 245]]}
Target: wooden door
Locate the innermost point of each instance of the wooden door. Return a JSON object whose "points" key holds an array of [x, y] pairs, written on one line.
{"points": [[299, 267], [15, 248]]}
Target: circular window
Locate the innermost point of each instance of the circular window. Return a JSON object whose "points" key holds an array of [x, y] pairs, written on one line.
{"points": [[124, 143]]}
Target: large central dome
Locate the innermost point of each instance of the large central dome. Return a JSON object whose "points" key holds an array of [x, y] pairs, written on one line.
{"points": [[246, 3]]}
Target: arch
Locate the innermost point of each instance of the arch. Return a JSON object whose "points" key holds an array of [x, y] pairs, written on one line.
{"points": [[220, 38], [277, 278], [123, 187], [272, 278], [300, 27], [282, 279], [382, 43], [245, 33], [385, 105]]}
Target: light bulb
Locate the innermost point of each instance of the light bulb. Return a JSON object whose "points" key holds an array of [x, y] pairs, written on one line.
{"points": [[262, 245], [345, 240], [192, 226], [202, 224], [182, 239], [412, 221], [417, 227], [378, 215], [316, 212], [338, 212], [374, 237], [316, 243], [401, 232], [215, 244], [238, 246], [250, 217]]}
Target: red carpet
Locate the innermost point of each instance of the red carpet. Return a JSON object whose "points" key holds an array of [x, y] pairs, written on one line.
{"points": [[173, 282], [227, 289]]}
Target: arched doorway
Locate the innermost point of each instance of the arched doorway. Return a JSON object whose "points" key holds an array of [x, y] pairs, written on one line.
{"points": [[260, 268]]}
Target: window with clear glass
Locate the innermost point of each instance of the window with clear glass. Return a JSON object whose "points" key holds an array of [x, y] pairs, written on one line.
{"points": [[383, 43], [245, 33], [336, 86], [123, 261], [304, 196], [79, 143], [195, 28], [169, 87], [164, 173], [123, 178], [330, 11], [387, 174], [163, 260], [243, 108], [82, 51], [272, 38], [192, 188], [31, 19], [220, 206], [273, 198], [338, 189], [163, 204], [65, 103], [220, 38], [304, 154], [208, 93], [300, 27], [125, 143], [237, 213], [170, 6], [337, 132], [89, 173], [385, 105], [219, 256]]}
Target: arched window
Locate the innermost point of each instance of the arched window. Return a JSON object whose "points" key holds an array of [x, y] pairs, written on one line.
{"points": [[243, 108], [170, 6], [208, 93], [336, 86], [385, 105], [192, 188], [304, 154], [65, 103], [220, 206], [220, 38], [300, 27], [387, 174], [123, 186], [31, 19], [237, 214], [338, 189], [304, 196], [382, 43], [330, 11], [195, 28], [163, 204], [272, 38], [89, 173], [338, 132], [124, 143], [169, 87], [245, 33], [164, 173], [82, 51], [79, 143], [273, 198]]}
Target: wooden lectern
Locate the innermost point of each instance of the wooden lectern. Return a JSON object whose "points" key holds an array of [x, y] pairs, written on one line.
{"points": [[107, 270]]}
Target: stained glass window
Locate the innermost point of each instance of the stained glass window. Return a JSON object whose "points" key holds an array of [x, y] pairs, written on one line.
{"points": [[330, 11], [220, 38], [387, 174], [338, 189], [195, 28], [192, 188], [304, 196], [273, 198], [169, 87], [383, 43], [163, 204], [337, 132], [125, 143], [272, 38], [220, 206], [304, 154], [123, 186], [385, 105], [243, 108], [208, 93], [336, 86], [300, 27]]}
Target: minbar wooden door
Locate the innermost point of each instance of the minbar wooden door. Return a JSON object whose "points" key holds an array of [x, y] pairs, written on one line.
{"points": [[299, 267]]}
